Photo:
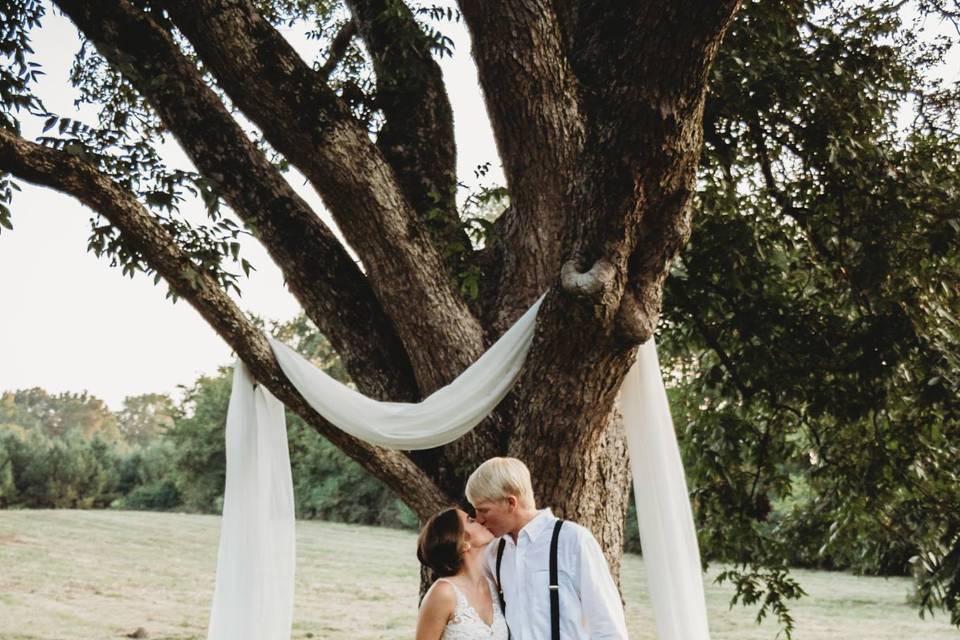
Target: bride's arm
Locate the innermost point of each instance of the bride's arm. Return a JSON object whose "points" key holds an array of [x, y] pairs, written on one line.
{"points": [[435, 611]]}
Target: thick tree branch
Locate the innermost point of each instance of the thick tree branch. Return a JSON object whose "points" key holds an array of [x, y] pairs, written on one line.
{"points": [[643, 70], [621, 121], [534, 105], [319, 272], [417, 136], [653, 56], [68, 174], [312, 127]]}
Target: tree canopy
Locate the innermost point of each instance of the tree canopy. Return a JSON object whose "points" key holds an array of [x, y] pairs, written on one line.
{"points": [[816, 308]]}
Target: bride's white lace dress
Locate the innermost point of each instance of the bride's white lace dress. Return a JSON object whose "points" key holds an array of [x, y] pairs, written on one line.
{"points": [[466, 623]]}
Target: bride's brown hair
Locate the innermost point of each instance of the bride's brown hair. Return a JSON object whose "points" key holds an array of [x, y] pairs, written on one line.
{"points": [[441, 542]]}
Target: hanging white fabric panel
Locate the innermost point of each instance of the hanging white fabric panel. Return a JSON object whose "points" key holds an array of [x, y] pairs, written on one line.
{"points": [[667, 534], [444, 416], [671, 554], [253, 598]]}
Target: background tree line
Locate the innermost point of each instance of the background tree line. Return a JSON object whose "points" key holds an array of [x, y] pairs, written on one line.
{"points": [[72, 451]]}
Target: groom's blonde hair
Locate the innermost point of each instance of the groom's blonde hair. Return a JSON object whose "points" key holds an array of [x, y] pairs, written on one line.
{"points": [[498, 478]]}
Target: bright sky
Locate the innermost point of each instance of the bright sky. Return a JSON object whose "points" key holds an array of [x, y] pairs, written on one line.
{"points": [[69, 322]]}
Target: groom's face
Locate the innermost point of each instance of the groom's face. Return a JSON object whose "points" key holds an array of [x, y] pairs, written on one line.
{"points": [[496, 515]]}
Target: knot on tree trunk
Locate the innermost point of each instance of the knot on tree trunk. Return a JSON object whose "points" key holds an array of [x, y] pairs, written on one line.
{"points": [[636, 321], [593, 283]]}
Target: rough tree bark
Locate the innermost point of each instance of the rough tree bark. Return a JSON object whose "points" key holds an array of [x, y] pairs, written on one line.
{"points": [[596, 108]]}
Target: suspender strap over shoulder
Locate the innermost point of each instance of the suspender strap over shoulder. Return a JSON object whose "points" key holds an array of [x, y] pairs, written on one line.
{"points": [[555, 584], [503, 604]]}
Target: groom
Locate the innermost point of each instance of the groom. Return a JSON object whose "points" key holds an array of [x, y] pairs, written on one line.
{"points": [[576, 598]]}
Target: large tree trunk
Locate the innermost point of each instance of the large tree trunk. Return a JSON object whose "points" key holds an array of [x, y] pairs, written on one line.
{"points": [[596, 107], [590, 484]]}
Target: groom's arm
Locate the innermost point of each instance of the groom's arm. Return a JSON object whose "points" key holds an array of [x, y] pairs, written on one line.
{"points": [[599, 596]]}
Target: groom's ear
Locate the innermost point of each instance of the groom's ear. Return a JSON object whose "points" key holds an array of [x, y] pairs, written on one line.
{"points": [[512, 503]]}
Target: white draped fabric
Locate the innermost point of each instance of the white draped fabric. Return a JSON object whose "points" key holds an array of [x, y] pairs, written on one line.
{"points": [[444, 416], [254, 590], [671, 555], [253, 597]]}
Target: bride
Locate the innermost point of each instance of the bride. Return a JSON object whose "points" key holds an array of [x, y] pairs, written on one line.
{"points": [[462, 603]]}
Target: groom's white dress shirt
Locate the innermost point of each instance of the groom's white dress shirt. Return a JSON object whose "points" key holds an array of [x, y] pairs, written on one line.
{"points": [[590, 606]]}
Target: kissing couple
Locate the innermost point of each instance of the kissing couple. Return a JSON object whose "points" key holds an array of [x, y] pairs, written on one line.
{"points": [[513, 571]]}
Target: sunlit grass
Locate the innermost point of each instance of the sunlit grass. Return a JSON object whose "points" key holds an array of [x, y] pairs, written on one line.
{"points": [[93, 575]]}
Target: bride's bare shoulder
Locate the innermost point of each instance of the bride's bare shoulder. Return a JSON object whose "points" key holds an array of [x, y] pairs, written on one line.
{"points": [[440, 597], [436, 610]]}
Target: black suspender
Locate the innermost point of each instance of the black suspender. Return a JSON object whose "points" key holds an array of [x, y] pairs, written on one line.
{"points": [[554, 584], [503, 543], [503, 603], [554, 581]]}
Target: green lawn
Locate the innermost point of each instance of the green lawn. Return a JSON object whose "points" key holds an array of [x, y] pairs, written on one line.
{"points": [[85, 575]]}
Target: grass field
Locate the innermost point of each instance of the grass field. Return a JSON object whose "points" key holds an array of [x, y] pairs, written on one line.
{"points": [[94, 575]]}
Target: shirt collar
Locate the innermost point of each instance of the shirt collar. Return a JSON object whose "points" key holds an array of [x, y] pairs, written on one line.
{"points": [[540, 522]]}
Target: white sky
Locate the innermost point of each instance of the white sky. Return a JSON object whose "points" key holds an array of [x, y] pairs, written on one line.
{"points": [[69, 322]]}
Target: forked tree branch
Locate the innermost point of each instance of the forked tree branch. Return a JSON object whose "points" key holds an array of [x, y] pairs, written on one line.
{"points": [[534, 105], [307, 122], [642, 68], [333, 291], [417, 135]]}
